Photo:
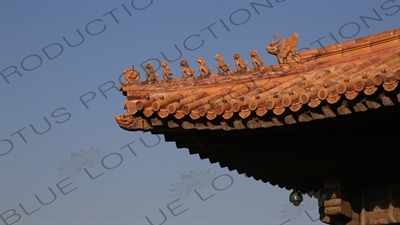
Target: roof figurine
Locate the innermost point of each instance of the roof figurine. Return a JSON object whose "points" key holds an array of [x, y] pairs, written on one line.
{"points": [[257, 62], [186, 71], [131, 75], [167, 71], [285, 52], [221, 66], [150, 72], [204, 70], [240, 64]]}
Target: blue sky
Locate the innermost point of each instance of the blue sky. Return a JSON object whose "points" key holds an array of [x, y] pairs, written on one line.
{"points": [[60, 64]]}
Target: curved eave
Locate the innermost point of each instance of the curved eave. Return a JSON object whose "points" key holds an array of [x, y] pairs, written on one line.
{"points": [[331, 83], [351, 69]]}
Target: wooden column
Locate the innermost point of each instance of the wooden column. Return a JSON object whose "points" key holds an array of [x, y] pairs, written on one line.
{"points": [[361, 203], [342, 203]]}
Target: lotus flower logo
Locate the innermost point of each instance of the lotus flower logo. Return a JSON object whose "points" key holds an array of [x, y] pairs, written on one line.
{"points": [[292, 212], [192, 181], [81, 160]]}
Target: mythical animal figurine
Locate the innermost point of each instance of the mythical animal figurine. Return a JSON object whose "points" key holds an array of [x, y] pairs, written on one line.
{"points": [[131, 75], [286, 51], [203, 67], [240, 64], [167, 71], [186, 70], [257, 62], [150, 72], [221, 64]]}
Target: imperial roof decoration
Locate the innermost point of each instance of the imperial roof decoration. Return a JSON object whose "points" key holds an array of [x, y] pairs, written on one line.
{"points": [[341, 79]]}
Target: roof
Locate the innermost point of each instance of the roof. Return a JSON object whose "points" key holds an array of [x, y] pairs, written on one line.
{"points": [[326, 75], [258, 120]]}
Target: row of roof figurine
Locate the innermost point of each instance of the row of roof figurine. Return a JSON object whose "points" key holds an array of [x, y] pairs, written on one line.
{"points": [[285, 53], [132, 75]]}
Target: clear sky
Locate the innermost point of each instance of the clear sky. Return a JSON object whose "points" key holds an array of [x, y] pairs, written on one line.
{"points": [[60, 64]]}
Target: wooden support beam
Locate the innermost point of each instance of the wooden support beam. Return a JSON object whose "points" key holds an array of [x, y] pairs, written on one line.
{"points": [[305, 118], [372, 104], [156, 122], [253, 124], [317, 115], [359, 107], [238, 124], [172, 124], [290, 119], [386, 101], [343, 110], [328, 112]]}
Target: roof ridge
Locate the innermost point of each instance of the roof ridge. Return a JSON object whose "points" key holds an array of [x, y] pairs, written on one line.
{"points": [[355, 47]]}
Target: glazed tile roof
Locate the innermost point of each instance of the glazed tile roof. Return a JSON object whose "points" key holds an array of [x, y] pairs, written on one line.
{"points": [[272, 125], [341, 79]]}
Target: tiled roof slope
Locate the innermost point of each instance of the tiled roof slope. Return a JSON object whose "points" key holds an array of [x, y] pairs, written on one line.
{"points": [[349, 77]]}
